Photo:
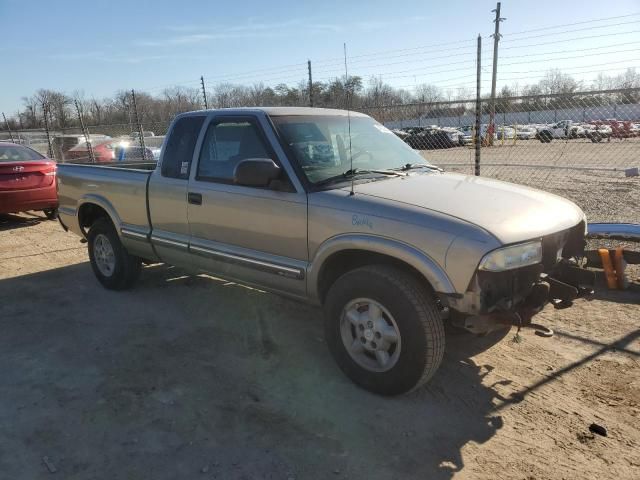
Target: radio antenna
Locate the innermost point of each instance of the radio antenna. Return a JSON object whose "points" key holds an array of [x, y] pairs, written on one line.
{"points": [[346, 89]]}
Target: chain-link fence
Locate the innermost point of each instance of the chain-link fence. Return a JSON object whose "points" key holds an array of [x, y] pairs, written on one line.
{"points": [[583, 146]]}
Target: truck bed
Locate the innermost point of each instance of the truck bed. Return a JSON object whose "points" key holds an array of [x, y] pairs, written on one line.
{"points": [[119, 188]]}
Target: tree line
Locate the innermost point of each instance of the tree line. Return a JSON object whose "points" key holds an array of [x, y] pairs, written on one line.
{"points": [[350, 92]]}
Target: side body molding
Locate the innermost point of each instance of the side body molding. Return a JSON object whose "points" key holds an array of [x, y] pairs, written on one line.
{"points": [[428, 267]]}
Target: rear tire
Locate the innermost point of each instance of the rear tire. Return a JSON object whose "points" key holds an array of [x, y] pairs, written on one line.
{"points": [[546, 137], [596, 137], [112, 265], [363, 309]]}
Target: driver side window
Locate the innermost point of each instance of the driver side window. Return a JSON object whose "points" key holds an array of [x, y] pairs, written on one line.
{"points": [[226, 143]]}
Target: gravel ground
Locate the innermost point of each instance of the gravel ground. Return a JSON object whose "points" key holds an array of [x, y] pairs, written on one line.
{"points": [[193, 377], [558, 167]]}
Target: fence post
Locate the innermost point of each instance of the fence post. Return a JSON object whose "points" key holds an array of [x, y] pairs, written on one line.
{"points": [[85, 132], [310, 84], [8, 127], [140, 131], [204, 93], [45, 111], [478, 135]]}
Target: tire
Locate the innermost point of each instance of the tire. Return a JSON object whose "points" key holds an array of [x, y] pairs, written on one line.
{"points": [[406, 306], [596, 137], [51, 213], [546, 137], [125, 268]]}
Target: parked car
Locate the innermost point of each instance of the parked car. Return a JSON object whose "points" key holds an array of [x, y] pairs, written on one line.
{"points": [[27, 180], [429, 138], [132, 152], [563, 129], [154, 144], [61, 144], [103, 151], [389, 244], [525, 132]]}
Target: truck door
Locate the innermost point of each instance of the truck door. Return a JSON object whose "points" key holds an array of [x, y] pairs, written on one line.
{"points": [[168, 192], [256, 235]]}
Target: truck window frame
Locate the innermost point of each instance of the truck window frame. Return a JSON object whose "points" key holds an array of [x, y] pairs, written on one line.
{"points": [[216, 120], [161, 164]]}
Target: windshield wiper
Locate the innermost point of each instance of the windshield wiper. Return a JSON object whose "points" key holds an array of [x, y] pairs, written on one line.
{"points": [[355, 172], [413, 166]]}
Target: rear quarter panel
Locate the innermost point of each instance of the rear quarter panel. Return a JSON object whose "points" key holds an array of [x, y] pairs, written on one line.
{"points": [[120, 192]]}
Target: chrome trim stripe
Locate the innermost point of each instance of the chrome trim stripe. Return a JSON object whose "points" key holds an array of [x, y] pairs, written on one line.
{"points": [[132, 233], [67, 211], [296, 273], [169, 243]]}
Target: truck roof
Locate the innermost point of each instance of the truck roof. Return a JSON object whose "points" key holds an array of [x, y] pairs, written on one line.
{"points": [[288, 111]]}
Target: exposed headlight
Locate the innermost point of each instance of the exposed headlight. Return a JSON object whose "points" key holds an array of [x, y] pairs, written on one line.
{"points": [[514, 256]]}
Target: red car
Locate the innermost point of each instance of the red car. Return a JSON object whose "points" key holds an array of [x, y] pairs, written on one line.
{"points": [[103, 151], [27, 181]]}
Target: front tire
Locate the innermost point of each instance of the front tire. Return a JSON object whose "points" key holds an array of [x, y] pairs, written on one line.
{"points": [[384, 329], [112, 265]]}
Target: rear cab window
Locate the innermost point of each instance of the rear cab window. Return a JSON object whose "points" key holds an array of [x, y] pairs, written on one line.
{"points": [[178, 152]]}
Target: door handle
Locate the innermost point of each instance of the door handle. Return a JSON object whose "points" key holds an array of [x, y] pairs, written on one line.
{"points": [[194, 198]]}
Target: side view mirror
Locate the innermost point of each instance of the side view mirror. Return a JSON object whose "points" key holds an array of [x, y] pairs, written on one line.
{"points": [[256, 172]]}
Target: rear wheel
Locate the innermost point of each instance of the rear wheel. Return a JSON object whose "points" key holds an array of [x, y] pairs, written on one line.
{"points": [[112, 265], [596, 137], [384, 329], [546, 137]]}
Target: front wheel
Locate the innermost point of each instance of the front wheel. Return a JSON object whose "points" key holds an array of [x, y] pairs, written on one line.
{"points": [[384, 329], [112, 265]]}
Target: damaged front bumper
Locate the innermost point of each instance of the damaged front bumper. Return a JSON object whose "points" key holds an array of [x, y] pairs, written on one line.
{"points": [[498, 299]]}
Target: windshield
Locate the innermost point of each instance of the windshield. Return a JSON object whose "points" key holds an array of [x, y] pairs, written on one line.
{"points": [[320, 145], [18, 153]]}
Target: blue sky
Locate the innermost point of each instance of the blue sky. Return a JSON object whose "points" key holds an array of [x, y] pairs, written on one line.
{"points": [[98, 47]]}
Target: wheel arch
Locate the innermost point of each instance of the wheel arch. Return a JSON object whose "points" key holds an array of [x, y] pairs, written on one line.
{"points": [[93, 207], [341, 254]]}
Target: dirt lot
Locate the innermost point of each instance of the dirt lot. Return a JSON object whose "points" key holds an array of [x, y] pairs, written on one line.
{"points": [[192, 377]]}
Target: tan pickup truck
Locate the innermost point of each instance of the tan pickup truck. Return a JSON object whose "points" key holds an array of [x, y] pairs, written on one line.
{"points": [[333, 209]]}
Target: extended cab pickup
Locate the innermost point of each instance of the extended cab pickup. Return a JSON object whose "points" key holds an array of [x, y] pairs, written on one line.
{"points": [[332, 208]]}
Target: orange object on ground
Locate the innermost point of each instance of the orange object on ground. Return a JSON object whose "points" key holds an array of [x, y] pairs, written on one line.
{"points": [[620, 265], [607, 266]]}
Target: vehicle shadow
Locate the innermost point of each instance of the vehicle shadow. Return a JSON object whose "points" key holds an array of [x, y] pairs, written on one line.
{"points": [[188, 374], [10, 221]]}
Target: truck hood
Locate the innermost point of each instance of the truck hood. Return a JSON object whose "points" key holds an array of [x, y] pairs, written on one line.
{"points": [[512, 213]]}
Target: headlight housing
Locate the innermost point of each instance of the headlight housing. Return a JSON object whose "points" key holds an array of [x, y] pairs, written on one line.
{"points": [[514, 256]]}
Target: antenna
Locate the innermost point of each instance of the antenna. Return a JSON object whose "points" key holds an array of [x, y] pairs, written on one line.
{"points": [[346, 82]]}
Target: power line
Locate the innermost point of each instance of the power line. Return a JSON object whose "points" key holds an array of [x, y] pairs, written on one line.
{"points": [[573, 24], [572, 31], [553, 42]]}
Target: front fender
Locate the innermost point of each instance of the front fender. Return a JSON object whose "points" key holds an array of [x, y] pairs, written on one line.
{"points": [[406, 253]]}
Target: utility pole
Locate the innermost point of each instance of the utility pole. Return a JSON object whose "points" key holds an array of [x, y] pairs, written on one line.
{"points": [[204, 93], [8, 127], [492, 107], [478, 134], [310, 84]]}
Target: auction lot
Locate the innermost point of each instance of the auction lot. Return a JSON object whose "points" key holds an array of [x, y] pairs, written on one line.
{"points": [[193, 377], [561, 167]]}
